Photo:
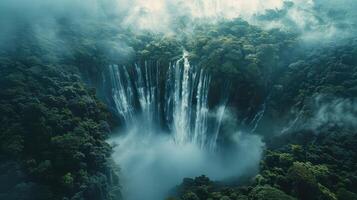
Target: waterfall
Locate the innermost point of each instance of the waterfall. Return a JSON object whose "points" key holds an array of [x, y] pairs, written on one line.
{"points": [[122, 92], [136, 95], [147, 86], [257, 118], [186, 86], [201, 110], [172, 131], [220, 115], [182, 99]]}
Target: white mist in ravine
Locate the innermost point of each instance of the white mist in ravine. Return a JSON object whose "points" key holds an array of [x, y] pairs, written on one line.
{"points": [[170, 132]]}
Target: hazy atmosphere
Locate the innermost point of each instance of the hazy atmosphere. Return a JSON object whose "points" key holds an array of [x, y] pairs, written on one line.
{"points": [[178, 100]]}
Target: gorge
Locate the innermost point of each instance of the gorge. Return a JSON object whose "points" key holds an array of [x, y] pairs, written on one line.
{"points": [[169, 127]]}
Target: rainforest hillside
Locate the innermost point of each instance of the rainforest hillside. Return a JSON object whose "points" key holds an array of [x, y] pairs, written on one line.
{"points": [[178, 100]]}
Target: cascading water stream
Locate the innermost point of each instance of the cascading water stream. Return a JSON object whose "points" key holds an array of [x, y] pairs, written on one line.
{"points": [[147, 91], [185, 86], [186, 99], [257, 118], [122, 93], [182, 96], [172, 134], [201, 110], [220, 114]]}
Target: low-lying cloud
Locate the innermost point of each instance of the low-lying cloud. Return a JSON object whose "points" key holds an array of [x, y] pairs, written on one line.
{"points": [[335, 112], [324, 112], [160, 15], [152, 163], [312, 19]]}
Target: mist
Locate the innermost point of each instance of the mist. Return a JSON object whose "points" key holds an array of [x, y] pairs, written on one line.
{"points": [[161, 15], [168, 131], [313, 19], [152, 163], [168, 137], [334, 112], [323, 111], [59, 27]]}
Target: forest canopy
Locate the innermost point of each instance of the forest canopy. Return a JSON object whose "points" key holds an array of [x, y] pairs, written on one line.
{"points": [[280, 79]]}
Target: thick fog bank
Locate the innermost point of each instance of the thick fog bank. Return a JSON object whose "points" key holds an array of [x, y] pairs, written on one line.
{"points": [[152, 163], [312, 18]]}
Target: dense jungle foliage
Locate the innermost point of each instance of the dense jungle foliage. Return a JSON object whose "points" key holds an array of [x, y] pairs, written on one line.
{"points": [[54, 122], [52, 126], [301, 165], [307, 161], [234, 52], [52, 136]]}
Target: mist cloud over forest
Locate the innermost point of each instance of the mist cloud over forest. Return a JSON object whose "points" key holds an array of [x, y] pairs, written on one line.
{"points": [[314, 21], [124, 99], [316, 18]]}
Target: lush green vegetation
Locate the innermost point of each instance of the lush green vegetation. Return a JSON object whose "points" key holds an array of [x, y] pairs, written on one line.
{"points": [[328, 70], [309, 163], [301, 165], [233, 52], [53, 127], [52, 136]]}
